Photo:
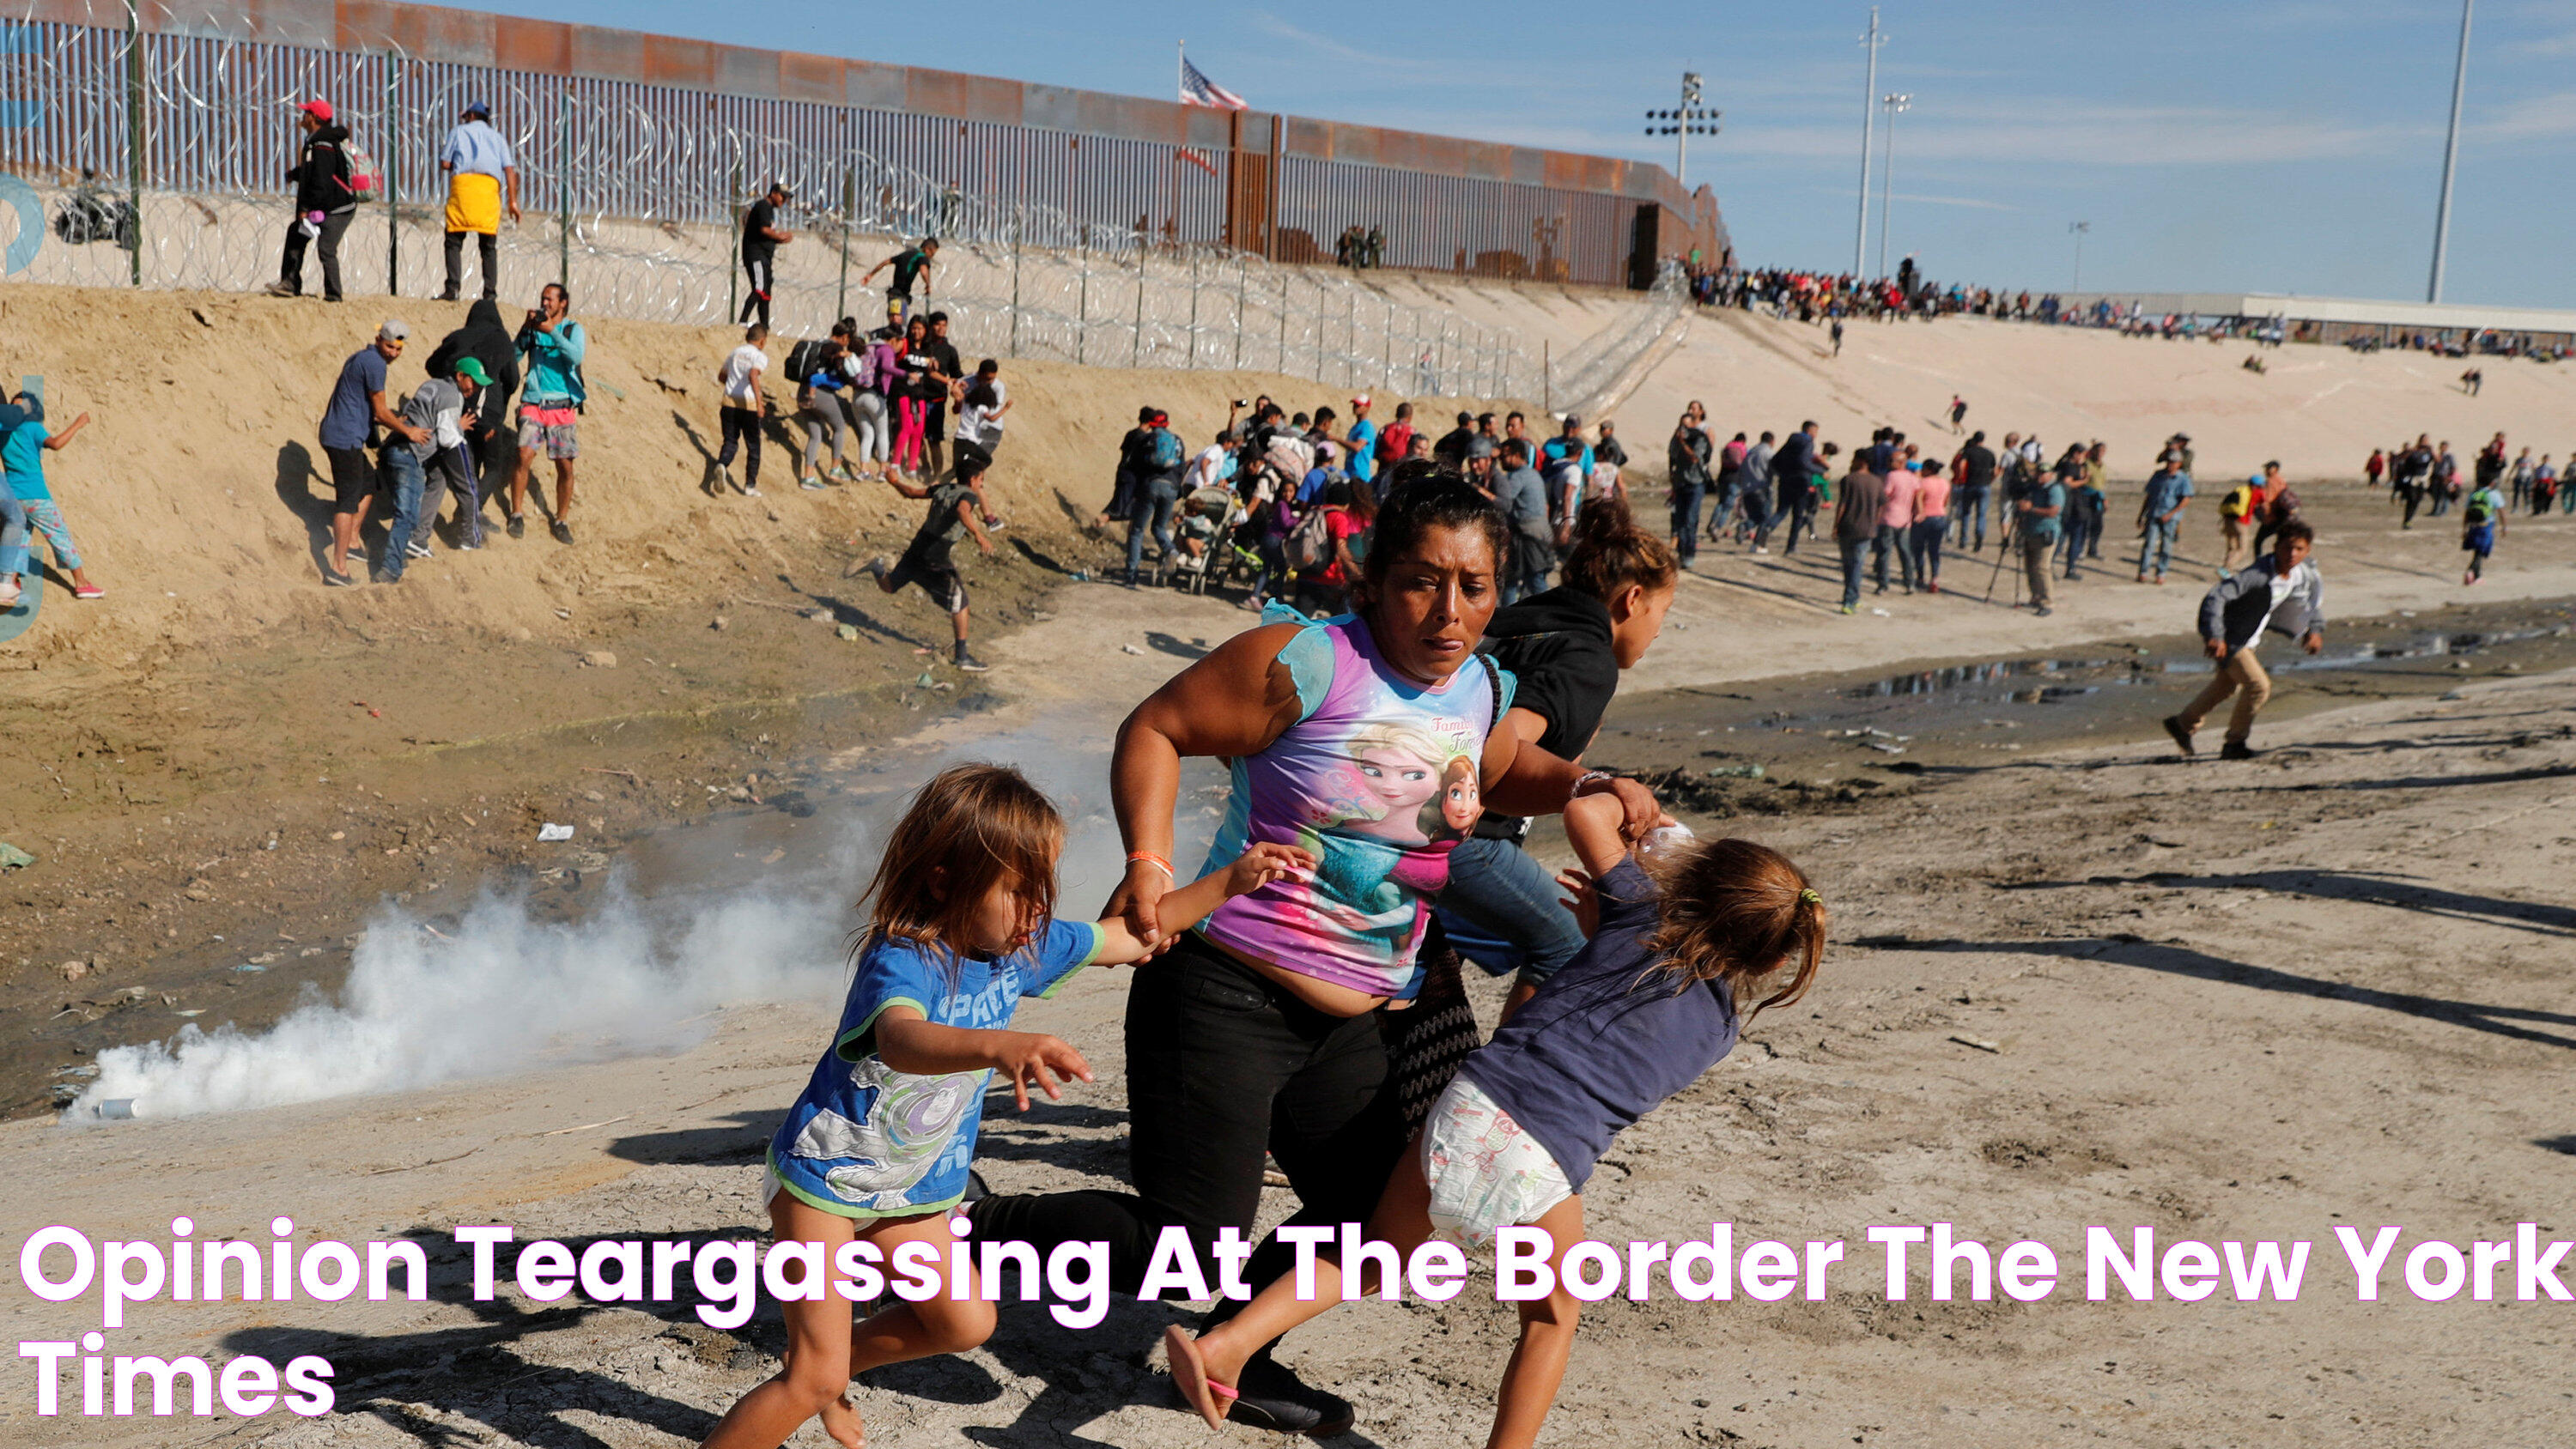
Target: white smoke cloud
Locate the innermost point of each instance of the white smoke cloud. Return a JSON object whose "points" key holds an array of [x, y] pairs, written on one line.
{"points": [[504, 993]]}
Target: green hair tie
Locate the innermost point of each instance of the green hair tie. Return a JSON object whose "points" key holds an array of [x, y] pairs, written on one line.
{"points": [[1810, 897]]}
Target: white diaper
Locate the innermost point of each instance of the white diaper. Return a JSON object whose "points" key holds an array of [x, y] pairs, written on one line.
{"points": [[1485, 1171]]}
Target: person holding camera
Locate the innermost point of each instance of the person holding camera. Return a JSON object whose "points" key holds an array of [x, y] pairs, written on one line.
{"points": [[550, 406]]}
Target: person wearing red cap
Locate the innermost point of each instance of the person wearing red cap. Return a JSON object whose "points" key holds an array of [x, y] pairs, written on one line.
{"points": [[324, 202]]}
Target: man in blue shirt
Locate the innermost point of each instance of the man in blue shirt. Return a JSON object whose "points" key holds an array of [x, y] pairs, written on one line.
{"points": [[357, 408], [1566, 461], [479, 167], [2160, 518], [1522, 497], [1363, 441]]}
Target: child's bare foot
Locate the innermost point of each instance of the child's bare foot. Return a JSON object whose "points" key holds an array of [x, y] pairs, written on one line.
{"points": [[1189, 1373], [841, 1421]]}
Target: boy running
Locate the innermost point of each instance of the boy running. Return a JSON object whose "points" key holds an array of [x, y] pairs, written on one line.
{"points": [[929, 560], [2281, 591], [2483, 515]]}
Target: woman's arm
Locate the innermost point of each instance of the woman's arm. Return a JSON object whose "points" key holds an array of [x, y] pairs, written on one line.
{"points": [[1592, 828], [1522, 779], [1234, 702], [909, 1043]]}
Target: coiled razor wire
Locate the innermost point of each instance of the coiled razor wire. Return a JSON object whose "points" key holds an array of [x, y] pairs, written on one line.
{"points": [[641, 217]]}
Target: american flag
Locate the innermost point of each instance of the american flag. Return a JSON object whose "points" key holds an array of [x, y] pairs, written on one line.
{"points": [[1198, 90]]}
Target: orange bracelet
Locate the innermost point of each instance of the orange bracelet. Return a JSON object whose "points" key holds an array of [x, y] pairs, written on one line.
{"points": [[1150, 858]]}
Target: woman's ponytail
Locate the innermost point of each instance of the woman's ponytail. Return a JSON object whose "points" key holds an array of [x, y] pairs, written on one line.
{"points": [[1611, 552]]}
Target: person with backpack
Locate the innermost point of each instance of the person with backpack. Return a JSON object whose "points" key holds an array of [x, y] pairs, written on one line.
{"points": [[1159, 492], [1320, 550], [550, 407], [1123, 486], [2238, 513], [327, 191], [2482, 514], [479, 168], [822, 381]]}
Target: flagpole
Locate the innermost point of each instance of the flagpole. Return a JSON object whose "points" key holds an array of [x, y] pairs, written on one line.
{"points": [[1181, 68]]}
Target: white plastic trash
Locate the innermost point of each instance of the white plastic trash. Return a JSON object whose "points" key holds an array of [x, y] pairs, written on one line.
{"points": [[552, 831]]}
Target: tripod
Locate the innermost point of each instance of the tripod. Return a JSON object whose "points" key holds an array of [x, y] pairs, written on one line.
{"points": [[2003, 551]]}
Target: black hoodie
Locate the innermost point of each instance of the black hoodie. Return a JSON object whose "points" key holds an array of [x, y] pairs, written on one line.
{"points": [[1557, 646], [487, 341], [321, 172]]}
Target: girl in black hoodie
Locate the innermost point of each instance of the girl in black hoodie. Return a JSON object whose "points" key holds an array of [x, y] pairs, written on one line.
{"points": [[1566, 647]]}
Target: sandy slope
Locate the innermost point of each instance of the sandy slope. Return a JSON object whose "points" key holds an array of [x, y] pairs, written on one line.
{"points": [[2228, 1002], [2319, 410]]}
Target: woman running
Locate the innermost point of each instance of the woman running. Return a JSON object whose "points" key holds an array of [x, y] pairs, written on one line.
{"points": [[1262, 1030]]}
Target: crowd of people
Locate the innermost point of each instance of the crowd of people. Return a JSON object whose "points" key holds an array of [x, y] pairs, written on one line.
{"points": [[1287, 501], [1815, 296]]}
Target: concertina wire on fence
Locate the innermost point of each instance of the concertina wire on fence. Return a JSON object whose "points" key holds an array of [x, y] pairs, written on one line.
{"points": [[653, 233]]}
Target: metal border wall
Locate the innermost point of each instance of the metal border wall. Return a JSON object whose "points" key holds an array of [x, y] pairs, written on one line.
{"points": [[688, 121]]}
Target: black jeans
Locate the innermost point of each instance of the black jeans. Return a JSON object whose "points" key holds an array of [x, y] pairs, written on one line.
{"points": [[488, 245], [291, 268], [741, 428], [1221, 1065], [763, 274]]}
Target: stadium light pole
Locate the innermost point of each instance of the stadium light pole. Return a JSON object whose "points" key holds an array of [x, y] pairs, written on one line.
{"points": [[2078, 229], [1868, 118], [1897, 105], [1692, 119], [2450, 158]]}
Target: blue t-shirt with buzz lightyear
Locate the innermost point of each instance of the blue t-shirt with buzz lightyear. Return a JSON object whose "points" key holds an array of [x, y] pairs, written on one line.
{"points": [[867, 1141]]}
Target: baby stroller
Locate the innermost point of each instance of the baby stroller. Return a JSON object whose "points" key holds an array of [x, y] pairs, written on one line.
{"points": [[1209, 517]]}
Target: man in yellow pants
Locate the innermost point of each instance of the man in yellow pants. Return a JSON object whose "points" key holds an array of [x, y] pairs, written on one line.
{"points": [[479, 167]]}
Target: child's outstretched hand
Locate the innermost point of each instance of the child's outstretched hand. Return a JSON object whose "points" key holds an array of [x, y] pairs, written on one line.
{"points": [[1028, 1057], [1265, 862], [1583, 897]]}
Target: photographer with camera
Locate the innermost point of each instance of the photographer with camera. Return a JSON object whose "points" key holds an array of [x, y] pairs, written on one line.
{"points": [[550, 406]]}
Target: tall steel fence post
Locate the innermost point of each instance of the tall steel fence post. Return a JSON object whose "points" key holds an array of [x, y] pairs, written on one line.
{"points": [[1144, 250], [1547, 375], [1082, 293], [1019, 221], [134, 135], [563, 192], [733, 247], [1242, 302], [1194, 309], [1350, 339], [1283, 321], [849, 210], [1386, 372], [393, 184]]}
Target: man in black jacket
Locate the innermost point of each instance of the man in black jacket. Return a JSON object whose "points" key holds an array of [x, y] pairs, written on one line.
{"points": [[490, 442], [324, 204], [1976, 485], [2281, 592]]}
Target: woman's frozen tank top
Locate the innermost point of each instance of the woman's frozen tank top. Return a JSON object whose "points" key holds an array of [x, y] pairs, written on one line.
{"points": [[1379, 778]]}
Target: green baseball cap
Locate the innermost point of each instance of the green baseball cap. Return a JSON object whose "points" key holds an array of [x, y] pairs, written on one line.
{"points": [[471, 367]]}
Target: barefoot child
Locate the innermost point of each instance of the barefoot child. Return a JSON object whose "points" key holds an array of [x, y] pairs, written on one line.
{"points": [[23, 445], [876, 1149], [1638, 1015]]}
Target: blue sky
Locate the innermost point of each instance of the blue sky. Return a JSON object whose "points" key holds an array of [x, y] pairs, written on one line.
{"points": [[2287, 145]]}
